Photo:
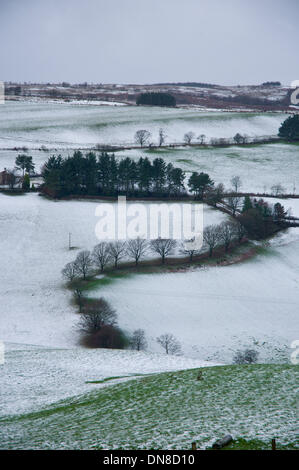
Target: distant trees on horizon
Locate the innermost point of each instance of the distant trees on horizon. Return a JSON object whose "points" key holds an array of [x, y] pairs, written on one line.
{"points": [[156, 99]]}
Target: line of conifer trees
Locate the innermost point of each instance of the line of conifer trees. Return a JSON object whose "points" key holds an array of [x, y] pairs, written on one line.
{"points": [[105, 175]]}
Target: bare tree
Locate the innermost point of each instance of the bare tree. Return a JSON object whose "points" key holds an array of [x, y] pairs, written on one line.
{"points": [[240, 139], [163, 247], [117, 251], [227, 232], [101, 255], [136, 248], [240, 231], [236, 183], [169, 343], [190, 249], [83, 263], [201, 138], [214, 194], [97, 314], [12, 178], [79, 298], [234, 203], [211, 237], [142, 136], [277, 189], [138, 340], [69, 271], [188, 137], [162, 137]]}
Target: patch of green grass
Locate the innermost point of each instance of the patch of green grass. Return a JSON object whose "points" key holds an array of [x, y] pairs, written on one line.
{"points": [[254, 403], [185, 160], [107, 379], [233, 155], [162, 151]]}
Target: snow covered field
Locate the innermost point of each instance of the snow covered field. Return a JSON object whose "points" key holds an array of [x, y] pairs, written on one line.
{"points": [[74, 125], [260, 166], [215, 311], [33, 377], [36, 316], [34, 249], [212, 312]]}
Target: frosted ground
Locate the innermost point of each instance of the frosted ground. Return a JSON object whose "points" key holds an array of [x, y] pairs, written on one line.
{"points": [[72, 125], [260, 167], [34, 249], [216, 310], [36, 315], [213, 312], [63, 127], [168, 411]]}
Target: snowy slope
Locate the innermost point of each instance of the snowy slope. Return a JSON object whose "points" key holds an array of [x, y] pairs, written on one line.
{"points": [[74, 125], [215, 311], [33, 377]]}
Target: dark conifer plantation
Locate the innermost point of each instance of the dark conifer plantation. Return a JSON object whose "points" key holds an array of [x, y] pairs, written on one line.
{"points": [[105, 175]]}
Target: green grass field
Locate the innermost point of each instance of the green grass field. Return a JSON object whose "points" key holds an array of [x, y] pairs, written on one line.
{"points": [[169, 411]]}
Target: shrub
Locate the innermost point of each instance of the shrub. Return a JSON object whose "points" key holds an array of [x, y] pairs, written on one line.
{"points": [[248, 356], [110, 337]]}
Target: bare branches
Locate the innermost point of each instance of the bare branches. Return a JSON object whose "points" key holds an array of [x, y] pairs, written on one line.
{"points": [[188, 137], [227, 232], [117, 251], [170, 344], [96, 315], [69, 271], [142, 136], [211, 237], [136, 248], [236, 183], [83, 263], [138, 340], [163, 247], [234, 203], [101, 255]]}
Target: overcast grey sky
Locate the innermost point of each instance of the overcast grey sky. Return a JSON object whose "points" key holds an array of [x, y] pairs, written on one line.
{"points": [[147, 41]]}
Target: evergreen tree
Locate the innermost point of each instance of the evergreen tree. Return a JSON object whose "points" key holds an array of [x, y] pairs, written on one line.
{"points": [[26, 182], [247, 204], [199, 183], [289, 129]]}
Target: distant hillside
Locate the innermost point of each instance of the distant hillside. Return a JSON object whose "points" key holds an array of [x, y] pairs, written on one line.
{"points": [[269, 96]]}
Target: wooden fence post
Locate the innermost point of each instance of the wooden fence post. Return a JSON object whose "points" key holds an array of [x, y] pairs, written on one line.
{"points": [[273, 444], [193, 445]]}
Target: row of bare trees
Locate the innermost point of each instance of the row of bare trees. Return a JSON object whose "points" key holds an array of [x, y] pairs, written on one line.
{"points": [[105, 253], [167, 341], [99, 329], [142, 138]]}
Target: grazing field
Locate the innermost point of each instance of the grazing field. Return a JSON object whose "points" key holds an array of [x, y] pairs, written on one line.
{"points": [[73, 125], [33, 377], [168, 411]]}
